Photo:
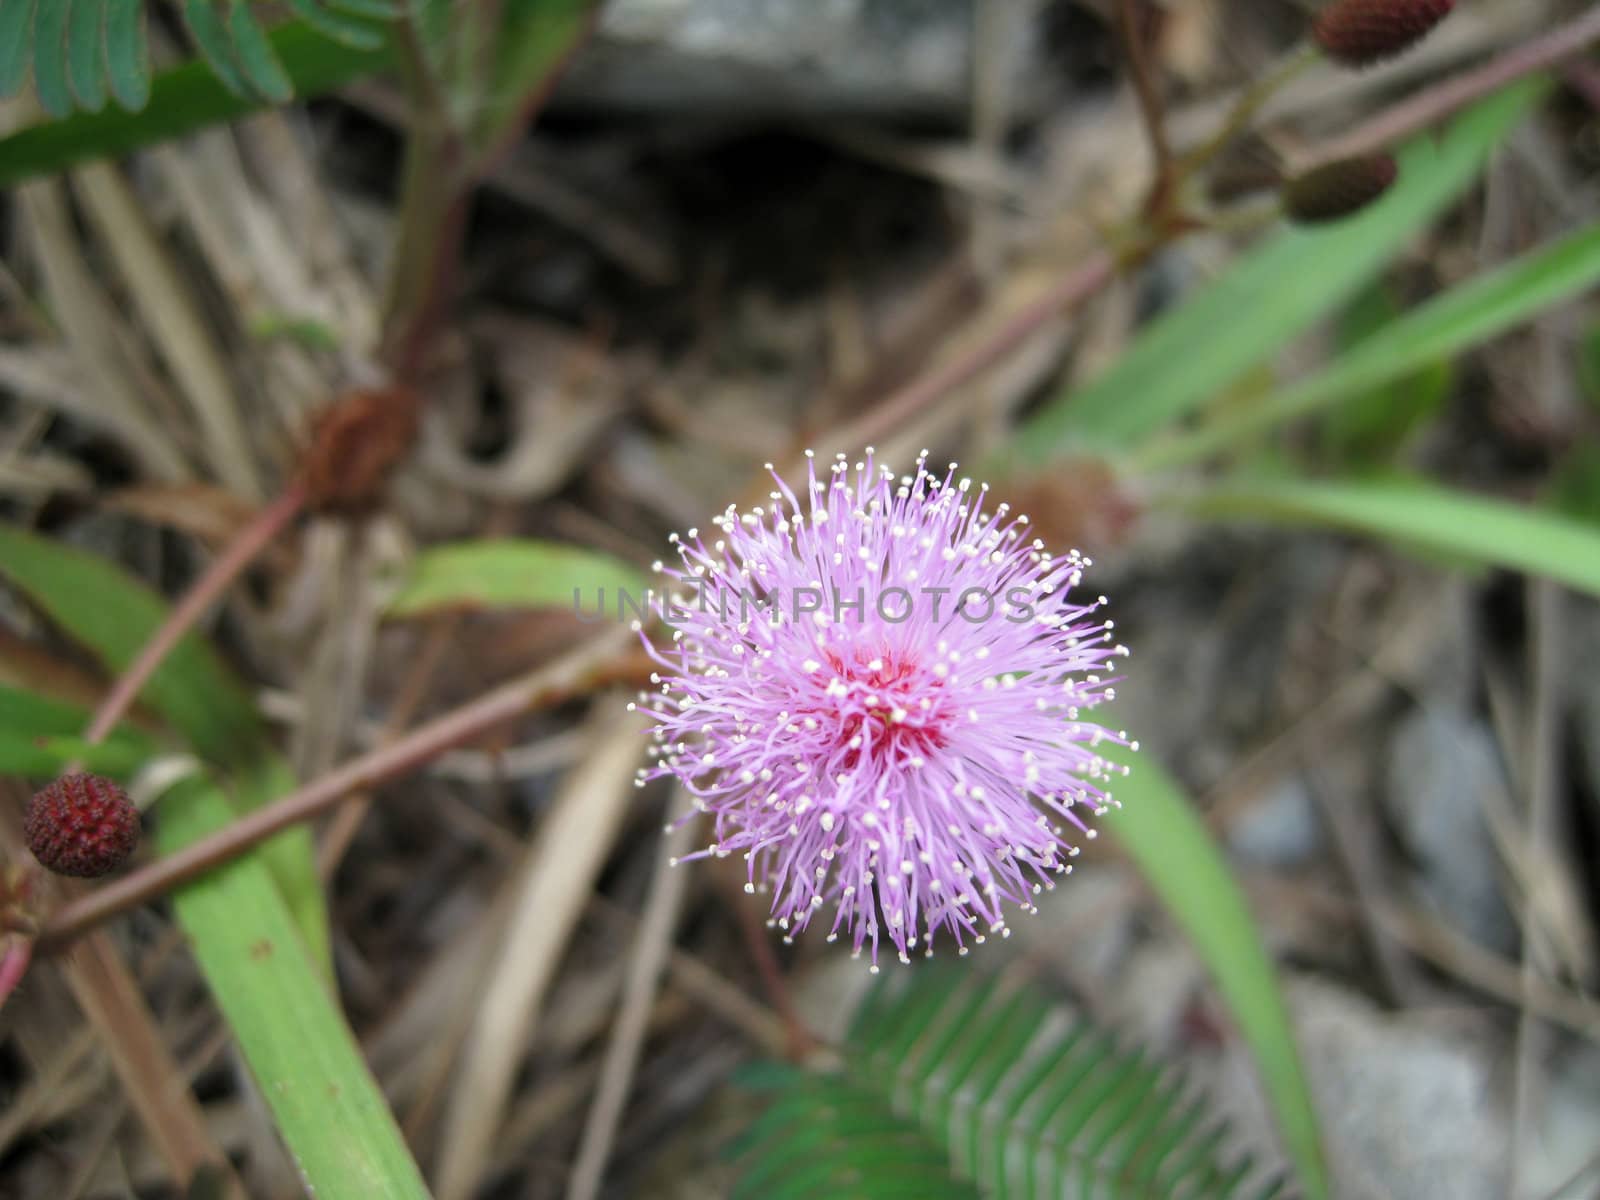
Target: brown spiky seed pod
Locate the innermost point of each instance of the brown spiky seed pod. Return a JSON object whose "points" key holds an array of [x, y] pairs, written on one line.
{"points": [[353, 447], [1359, 33], [81, 825], [1338, 189]]}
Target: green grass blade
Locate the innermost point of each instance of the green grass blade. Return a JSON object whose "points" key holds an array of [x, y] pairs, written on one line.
{"points": [[127, 53], [1372, 424], [516, 573], [16, 24], [324, 1101], [112, 614], [50, 57], [182, 100], [30, 714], [44, 756], [1463, 317], [1437, 519], [40, 735], [1272, 294], [1166, 839], [85, 64], [291, 855]]}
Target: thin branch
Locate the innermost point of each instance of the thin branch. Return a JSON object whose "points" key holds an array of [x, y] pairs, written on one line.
{"points": [[1428, 107], [903, 405], [341, 830], [224, 569], [591, 665], [800, 1039], [1245, 107], [1144, 86]]}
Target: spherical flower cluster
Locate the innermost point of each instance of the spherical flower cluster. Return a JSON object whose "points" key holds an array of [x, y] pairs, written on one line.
{"points": [[1360, 33], [81, 825], [879, 695]]}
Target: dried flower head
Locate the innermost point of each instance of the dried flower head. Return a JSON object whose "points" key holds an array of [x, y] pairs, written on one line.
{"points": [[1338, 189], [81, 825], [1359, 33], [879, 695]]}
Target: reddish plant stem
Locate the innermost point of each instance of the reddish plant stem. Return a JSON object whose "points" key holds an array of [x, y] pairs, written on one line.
{"points": [[489, 161], [1149, 96], [1433, 104], [588, 667], [14, 964], [901, 406], [341, 830], [412, 344], [753, 928], [224, 569]]}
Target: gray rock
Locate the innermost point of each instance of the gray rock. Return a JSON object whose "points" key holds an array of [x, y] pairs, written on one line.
{"points": [[1566, 1132], [760, 58], [1407, 1112], [1444, 774], [1282, 829]]}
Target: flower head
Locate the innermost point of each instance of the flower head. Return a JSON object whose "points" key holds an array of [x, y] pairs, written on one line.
{"points": [[879, 695], [81, 825]]}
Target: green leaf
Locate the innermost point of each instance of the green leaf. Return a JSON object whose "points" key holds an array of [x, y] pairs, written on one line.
{"points": [[16, 22], [349, 30], [182, 100], [1373, 423], [1467, 315], [1589, 363], [113, 615], [325, 1104], [955, 1078], [1574, 486], [516, 573], [533, 37], [46, 756], [211, 37], [1424, 515], [85, 69], [39, 736], [32, 715], [127, 53], [253, 53], [377, 10], [291, 856], [309, 333], [1161, 832], [829, 1136], [50, 57], [1269, 296]]}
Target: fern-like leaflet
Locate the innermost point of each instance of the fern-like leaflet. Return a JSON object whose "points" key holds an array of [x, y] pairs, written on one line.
{"points": [[959, 1085], [82, 53]]}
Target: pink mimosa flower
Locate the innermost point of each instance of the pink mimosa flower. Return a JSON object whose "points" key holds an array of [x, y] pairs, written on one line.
{"points": [[879, 694]]}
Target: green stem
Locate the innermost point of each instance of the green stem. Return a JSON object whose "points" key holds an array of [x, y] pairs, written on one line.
{"points": [[1248, 104]]}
